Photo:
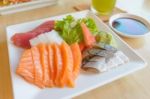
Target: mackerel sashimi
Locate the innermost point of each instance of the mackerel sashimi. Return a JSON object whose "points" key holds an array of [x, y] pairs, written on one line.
{"points": [[22, 39]]}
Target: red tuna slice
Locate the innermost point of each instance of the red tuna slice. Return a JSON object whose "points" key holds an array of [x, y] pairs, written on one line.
{"points": [[22, 39]]}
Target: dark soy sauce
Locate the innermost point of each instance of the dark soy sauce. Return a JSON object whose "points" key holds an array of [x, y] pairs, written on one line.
{"points": [[130, 26]]}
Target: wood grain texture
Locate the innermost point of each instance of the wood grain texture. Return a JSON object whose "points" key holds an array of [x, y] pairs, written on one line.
{"points": [[133, 86]]}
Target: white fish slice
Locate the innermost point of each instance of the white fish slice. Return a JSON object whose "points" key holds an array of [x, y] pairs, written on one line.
{"points": [[34, 41], [42, 39], [49, 37], [54, 37], [122, 56], [114, 62]]}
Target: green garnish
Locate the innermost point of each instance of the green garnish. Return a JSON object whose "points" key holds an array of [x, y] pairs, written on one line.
{"points": [[106, 38], [70, 29]]}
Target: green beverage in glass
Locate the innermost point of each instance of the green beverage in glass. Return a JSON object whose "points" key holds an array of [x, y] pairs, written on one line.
{"points": [[103, 7]]}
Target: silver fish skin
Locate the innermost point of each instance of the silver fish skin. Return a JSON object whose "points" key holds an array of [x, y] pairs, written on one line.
{"points": [[100, 60]]}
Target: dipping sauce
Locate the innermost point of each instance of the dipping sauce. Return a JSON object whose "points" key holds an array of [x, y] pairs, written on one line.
{"points": [[130, 26]]}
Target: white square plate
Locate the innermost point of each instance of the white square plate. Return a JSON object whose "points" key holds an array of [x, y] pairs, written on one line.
{"points": [[84, 83]]}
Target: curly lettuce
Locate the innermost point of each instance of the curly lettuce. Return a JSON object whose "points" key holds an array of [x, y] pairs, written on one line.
{"points": [[70, 29]]}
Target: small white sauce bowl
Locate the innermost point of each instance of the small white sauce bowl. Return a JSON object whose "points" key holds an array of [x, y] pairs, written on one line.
{"points": [[126, 15]]}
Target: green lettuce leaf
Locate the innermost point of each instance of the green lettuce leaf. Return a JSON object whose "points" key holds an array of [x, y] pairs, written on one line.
{"points": [[70, 29]]}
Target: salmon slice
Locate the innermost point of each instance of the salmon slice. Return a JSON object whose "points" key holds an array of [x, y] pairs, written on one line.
{"points": [[77, 59], [37, 67], [45, 65], [89, 39], [57, 64], [26, 67], [82, 46], [67, 77], [51, 63]]}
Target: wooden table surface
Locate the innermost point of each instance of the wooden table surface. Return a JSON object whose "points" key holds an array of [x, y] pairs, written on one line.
{"points": [[133, 86]]}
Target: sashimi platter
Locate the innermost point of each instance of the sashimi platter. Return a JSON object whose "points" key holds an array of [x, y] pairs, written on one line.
{"points": [[65, 56]]}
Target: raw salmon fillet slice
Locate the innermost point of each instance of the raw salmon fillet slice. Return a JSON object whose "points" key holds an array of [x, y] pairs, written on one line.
{"points": [[51, 62], [26, 66], [67, 59], [45, 64], [51, 65], [77, 59], [37, 67], [89, 39], [57, 64]]}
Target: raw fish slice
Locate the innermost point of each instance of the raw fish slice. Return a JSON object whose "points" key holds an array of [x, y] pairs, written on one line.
{"points": [[37, 67], [22, 39], [67, 70], [54, 37], [116, 60], [45, 27], [105, 47], [57, 64], [89, 39], [82, 46], [39, 39], [102, 62], [122, 56], [96, 65], [47, 38], [45, 65], [43, 39], [26, 67], [35, 41], [51, 62], [90, 52], [77, 59]]}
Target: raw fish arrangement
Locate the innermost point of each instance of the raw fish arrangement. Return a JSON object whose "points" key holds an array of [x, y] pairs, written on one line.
{"points": [[22, 39], [56, 51], [102, 57], [49, 65]]}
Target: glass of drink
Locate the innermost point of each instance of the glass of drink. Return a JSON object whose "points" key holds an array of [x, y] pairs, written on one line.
{"points": [[103, 7]]}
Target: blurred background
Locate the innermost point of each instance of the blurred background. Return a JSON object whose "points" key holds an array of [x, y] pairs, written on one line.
{"points": [[138, 7]]}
